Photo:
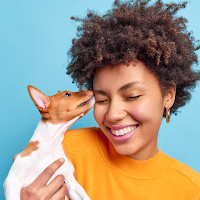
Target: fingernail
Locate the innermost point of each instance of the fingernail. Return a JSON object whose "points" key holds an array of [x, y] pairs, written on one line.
{"points": [[62, 160]]}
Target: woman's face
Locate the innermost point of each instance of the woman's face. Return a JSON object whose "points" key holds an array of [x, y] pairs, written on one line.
{"points": [[129, 108]]}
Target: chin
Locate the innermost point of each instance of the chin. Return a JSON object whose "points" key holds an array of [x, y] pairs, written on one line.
{"points": [[125, 150]]}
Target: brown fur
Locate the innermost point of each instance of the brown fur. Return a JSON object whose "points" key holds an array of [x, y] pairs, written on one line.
{"points": [[56, 114], [30, 147], [60, 108]]}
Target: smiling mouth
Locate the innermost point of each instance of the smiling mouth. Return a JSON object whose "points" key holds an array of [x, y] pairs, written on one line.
{"points": [[123, 131], [85, 102]]}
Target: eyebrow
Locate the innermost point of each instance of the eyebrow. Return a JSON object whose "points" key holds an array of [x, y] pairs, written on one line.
{"points": [[128, 85], [124, 87]]}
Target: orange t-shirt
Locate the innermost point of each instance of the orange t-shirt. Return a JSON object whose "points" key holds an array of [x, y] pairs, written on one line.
{"points": [[106, 175]]}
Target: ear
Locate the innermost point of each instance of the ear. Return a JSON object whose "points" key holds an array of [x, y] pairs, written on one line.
{"points": [[41, 101], [169, 97]]}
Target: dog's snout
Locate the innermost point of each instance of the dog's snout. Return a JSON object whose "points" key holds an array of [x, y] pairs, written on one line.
{"points": [[86, 92]]}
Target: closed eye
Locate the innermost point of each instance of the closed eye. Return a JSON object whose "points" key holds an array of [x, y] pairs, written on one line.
{"points": [[100, 102], [135, 97]]}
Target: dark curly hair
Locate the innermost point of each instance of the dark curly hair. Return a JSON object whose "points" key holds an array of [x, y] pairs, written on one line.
{"points": [[137, 30]]}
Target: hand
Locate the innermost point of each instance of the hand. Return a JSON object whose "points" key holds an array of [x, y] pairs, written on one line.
{"points": [[55, 190]]}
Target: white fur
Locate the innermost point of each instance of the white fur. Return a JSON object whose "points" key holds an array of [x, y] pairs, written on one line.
{"points": [[26, 169]]}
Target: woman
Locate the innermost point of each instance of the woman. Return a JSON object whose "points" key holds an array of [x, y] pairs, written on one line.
{"points": [[137, 59]]}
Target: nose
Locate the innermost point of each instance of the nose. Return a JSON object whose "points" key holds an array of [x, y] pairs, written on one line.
{"points": [[115, 112]]}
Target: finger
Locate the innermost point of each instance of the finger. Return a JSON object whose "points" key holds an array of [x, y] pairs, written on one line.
{"points": [[61, 193], [43, 178], [55, 185]]}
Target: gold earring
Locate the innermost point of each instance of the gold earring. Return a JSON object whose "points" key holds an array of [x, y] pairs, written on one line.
{"points": [[167, 115]]}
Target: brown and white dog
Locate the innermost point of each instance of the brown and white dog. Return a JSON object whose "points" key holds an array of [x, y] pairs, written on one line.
{"points": [[58, 112]]}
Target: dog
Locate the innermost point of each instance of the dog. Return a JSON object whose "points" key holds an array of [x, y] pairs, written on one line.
{"points": [[58, 112]]}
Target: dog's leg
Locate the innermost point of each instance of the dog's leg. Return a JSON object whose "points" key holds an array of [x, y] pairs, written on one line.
{"points": [[12, 191]]}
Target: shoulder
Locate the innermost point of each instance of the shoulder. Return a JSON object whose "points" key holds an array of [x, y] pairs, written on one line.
{"points": [[186, 172], [76, 139]]}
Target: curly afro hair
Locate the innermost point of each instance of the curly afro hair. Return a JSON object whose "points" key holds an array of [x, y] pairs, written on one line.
{"points": [[137, 30]]}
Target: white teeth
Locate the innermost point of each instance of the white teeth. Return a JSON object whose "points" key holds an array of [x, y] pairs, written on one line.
{"points": [[123, 131]]}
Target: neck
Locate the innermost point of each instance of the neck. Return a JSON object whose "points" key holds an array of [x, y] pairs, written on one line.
{"points": [[47, 131]]}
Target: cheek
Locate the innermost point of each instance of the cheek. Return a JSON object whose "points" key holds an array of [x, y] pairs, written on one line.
{"points": [[145, 111], [99, 113]]}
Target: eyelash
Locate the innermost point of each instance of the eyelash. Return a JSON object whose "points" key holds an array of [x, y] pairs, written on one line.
{"points": [[100, 102], [135, 97]]}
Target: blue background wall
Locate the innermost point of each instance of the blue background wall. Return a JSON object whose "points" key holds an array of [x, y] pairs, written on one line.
{"points": [[34, 38]]}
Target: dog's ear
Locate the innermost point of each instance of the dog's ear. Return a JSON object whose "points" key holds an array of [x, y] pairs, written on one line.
{"points": [[41, 101]]}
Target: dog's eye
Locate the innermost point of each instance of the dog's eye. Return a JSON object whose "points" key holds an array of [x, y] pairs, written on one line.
{"points": [[67, 94]]}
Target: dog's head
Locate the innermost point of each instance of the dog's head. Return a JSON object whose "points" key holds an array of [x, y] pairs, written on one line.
{"points": [[62, 106]]}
